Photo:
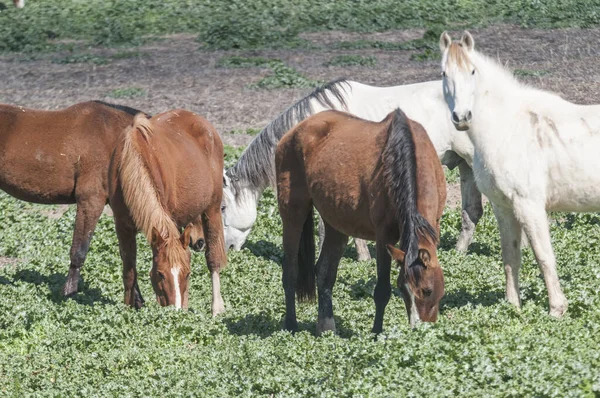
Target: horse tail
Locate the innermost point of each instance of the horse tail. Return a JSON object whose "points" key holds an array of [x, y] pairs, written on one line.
{"points": [[305, 284], [140, 192], [400, 173]]}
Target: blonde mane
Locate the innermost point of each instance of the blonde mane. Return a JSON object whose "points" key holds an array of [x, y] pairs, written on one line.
{"points": [[140, 194]]}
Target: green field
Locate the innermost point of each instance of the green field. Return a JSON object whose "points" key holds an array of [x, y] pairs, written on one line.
{"points": [[93, 345], [227, 24]]}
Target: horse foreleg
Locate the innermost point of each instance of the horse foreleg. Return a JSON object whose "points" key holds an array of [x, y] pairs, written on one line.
{"points": [[383, 289], [126, 234], [216, 258], [535, 223], [88, 213], [362, 250], [327, 266], [510, 238], [472, 208]]}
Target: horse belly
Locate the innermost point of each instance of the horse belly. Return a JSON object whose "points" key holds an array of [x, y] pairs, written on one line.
{"points": [[44, 181], [344, 208]]}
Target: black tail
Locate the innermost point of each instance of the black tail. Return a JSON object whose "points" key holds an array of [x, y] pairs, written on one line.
{"points": [[305, 285], [401, 177]]}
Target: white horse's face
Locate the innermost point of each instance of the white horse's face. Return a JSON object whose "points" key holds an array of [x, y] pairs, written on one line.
{"points": [[239, 214], [459, 78]]}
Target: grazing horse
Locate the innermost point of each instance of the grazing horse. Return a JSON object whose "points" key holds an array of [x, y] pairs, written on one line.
{"points": [[62, 157], [534, 152], [167, 174], [422, 102], [376, 181]]}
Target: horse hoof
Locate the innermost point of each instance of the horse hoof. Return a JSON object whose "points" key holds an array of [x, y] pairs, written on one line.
{"points": [[291, 325], [558, 311], [325, 325], [70, 288], [218, 310]]}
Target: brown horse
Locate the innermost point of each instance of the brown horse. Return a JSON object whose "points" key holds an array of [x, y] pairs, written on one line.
{"points": [[62, 157], [375, 181], [167, 174]]}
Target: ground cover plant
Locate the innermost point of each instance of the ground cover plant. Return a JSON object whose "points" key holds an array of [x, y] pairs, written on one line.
{"points": [[243, 24], [94, 345]]}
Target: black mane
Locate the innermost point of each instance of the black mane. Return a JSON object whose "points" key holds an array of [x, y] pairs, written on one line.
{"points": [[256, 165], [123, 108], [400, 173]]}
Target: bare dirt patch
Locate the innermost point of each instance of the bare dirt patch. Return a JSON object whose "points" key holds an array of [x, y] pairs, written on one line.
{"points": [[176, 73]]}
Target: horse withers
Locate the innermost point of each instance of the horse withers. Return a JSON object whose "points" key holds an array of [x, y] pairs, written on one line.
{"points": [[167, 175], [376, 181], [62, 157]]}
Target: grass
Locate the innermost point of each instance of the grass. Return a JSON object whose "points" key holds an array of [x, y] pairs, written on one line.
{"points": [[481, 346], [236, 61], [242, 24], [351, 60], [284, 76], [127, 92]]}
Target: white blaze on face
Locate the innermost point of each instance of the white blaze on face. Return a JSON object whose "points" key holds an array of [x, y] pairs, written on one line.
{"points": [[175, 273], [413, 318]]}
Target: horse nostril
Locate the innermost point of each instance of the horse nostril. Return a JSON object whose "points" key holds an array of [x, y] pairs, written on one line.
{"points": [[230, 247], [469, 116], [455, 117]]}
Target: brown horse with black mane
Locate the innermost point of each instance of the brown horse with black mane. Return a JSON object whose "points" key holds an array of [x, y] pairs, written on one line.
{"points": [[376, 181], [165, 175], [62, 157]]}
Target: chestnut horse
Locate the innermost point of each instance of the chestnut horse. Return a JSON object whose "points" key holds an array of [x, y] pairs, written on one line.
{"points": [[62, 157], [166, 174], [375, 181]]}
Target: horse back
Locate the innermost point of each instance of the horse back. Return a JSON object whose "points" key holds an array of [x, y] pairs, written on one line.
{"points": [[56, 156], [184, 157]]}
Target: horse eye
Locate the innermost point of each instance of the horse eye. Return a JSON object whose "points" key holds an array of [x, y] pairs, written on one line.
{"points": [[472, 73], [187, 276], [427, 292], [223, 208], [161, 276]]}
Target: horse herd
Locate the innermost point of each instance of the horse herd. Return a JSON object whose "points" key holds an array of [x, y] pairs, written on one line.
{"points": [[347, 150]]}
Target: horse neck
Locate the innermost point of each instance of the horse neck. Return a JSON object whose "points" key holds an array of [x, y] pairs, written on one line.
{"points": [[498, 96]]}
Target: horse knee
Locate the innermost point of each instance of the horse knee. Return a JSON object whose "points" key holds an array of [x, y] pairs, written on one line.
{"points": [[382, 294]]}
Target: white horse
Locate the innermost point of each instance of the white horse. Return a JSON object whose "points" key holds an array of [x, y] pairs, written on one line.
{"points": [[423, 102], [534, 152]]}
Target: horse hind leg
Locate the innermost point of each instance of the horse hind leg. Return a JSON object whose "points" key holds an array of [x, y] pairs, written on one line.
{"points": [[88, 213], [327, 266], [215, 255], [472, 208]]}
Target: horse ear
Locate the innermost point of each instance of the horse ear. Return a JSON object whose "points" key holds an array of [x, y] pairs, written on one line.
{"points": [[445, 41], [157, 238], [467, 41], [425, 257], [185, 236], [396, 254], [225, 181]]}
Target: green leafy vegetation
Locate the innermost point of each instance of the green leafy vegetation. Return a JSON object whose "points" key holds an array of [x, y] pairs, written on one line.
{"points": [[351, 60], [242, 24], [249, 131], [481, 346], [284, 76], [128, 92]]}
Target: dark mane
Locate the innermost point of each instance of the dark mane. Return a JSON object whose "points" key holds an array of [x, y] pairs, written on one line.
{"points": [[400, 173], [256, 165], [123, 108]]}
